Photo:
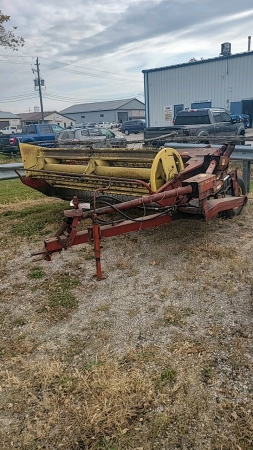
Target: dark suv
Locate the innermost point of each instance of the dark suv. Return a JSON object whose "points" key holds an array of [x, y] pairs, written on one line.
{"points": [[133, 126]]}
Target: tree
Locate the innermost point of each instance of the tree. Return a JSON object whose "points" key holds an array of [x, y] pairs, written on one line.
{"points": [[8, 38]]}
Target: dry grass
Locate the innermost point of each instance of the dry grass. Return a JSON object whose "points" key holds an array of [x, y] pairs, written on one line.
{"points": [[159, 361], [125, 404]]}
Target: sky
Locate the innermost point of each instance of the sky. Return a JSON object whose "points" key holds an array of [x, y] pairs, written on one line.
{"points": [[95, 50]]}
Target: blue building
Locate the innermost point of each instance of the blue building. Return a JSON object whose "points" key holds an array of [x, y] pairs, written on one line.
{"points": [[225, 81]]}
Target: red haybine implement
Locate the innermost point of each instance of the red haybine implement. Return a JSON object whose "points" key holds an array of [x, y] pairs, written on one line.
{"points": [[189, 183]]}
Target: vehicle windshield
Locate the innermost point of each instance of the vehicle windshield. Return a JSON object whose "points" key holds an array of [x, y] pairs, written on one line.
{"points": [[67, 135], [108, 133], [94, 132], [57, 127], [193, 118]]}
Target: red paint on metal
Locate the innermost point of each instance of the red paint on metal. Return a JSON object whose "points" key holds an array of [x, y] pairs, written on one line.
{"points": [[73, 232], [154, 198], [214, 206], [212, 166], [202, 184], [33, 182], [96, 239], [95, 233], [198, 189]]}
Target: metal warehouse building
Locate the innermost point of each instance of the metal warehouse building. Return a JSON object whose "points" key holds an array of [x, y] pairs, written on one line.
{"points": [[110, 111], [225, 81]]}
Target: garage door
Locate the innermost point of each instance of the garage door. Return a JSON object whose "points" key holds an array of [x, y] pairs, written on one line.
{"points": [[122, 116], [236, 107], [4, 123]]}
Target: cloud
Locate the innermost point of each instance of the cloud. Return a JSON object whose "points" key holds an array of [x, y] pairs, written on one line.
{"points": [[123, 38]]}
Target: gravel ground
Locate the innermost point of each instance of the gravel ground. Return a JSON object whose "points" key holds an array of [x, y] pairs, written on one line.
{"points": [[185, 289], [203, 267]]}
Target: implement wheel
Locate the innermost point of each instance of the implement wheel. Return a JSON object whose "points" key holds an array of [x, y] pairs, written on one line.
{"points": [[166, 166]]}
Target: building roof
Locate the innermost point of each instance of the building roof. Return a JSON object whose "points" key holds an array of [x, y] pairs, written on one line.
{"points": [[8, 115], [98, 106], [202, 61], [34, 116]]}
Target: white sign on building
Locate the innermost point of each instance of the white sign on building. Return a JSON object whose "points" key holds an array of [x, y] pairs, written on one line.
{"points": [[168, 112], [15, 122], [138, 113], [58, 118]]}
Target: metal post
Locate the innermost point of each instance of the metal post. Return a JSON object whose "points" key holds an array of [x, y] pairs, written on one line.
{"points": [[40, 93], [246, 174], [97, 251]]}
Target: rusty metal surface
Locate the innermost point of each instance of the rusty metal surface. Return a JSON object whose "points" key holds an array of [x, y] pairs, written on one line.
{"points": [[203, 184], [202, 187]]}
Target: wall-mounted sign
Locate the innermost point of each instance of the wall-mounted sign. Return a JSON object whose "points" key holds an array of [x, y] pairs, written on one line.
{"points": [[14, 122], [138, 113], [202, 101], [168, 112]]}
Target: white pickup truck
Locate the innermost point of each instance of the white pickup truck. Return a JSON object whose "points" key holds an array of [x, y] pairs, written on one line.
{"points": [[9, 130]]}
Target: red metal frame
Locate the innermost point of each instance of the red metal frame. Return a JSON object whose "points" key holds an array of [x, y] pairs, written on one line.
{"points": [[198, 184]]}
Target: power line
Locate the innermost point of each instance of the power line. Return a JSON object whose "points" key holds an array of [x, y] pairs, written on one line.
{"points": [[80, 100], [87, 68], [78, 72], [12, 62], [19, 99], [17, 96], [16, 56], [69, 98], [70, 64]]}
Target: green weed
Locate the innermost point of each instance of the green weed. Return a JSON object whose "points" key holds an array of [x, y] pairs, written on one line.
{"points": [[35, 273], [64, 299], [206, 374], [19, 322], [169, 375], [59, 291], [174, 316], [92, 364]]}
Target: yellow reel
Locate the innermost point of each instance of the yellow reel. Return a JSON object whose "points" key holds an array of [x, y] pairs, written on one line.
{"points": [[166, 165]]}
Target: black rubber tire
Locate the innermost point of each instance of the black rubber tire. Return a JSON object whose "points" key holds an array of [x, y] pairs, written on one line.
{"points": [[242, 142], [204, 140]]}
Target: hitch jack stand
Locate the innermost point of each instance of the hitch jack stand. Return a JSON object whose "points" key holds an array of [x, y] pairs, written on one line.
{"points": [[97, 249]]}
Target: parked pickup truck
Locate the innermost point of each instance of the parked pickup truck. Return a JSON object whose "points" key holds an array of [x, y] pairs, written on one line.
{"points": [[9, 130], [5, 146], [203, 122], [43, 134]]}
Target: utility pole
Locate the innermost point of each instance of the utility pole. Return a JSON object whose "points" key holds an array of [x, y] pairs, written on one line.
{"points": [[38, 82]]}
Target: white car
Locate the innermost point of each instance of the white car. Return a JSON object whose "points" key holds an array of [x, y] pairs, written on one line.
{"points": [[8, 130], [104, 125], [114, 125]]}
